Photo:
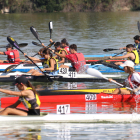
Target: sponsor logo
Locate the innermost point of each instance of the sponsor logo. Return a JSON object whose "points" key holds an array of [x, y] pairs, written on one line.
{"points": [[109, 96]]}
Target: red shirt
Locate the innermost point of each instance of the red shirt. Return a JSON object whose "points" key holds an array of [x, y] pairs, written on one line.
{"points": [[77, 60], [12, 56]]}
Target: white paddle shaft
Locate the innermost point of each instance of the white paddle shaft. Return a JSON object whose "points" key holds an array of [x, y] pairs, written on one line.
{"points": [[98, 74]]}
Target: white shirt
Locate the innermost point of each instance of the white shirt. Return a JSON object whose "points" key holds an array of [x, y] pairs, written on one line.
{"points": [[135, 77]]}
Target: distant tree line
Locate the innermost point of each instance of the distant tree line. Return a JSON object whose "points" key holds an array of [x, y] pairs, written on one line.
{"points": [[60, 5]]}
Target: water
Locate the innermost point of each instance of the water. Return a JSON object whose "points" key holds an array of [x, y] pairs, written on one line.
{"points": [[91, 32]]}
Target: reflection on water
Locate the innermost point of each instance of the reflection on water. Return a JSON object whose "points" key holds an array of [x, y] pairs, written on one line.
{"points": [[70, 131]]}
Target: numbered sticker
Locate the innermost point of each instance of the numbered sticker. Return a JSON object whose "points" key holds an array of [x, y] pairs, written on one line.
{"points": [[63, 109], [72, 74], [63, 70], [90, 97], [72, 85]]}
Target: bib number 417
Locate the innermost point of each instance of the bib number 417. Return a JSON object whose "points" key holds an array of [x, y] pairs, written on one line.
{"points": [[63, 109]]}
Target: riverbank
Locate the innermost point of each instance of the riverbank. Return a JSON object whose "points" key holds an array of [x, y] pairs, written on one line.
{"points": [[29, 6]]}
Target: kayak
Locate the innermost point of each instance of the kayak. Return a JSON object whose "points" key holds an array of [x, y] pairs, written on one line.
{"points": [[87, 107], [68, 77], [77, 96], [21, 67], [72, 118], [106, 69]]}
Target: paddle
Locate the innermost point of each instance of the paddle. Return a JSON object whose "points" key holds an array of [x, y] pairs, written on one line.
{"points": [[14, 43], [50, 28], [10, 68], [138, 24], [20, 45], [109, 49], [98, 74], [37, 44], [35, 33], [101, 61]]}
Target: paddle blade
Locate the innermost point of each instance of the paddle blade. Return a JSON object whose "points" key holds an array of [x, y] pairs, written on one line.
{"points": [[35, 33], [50, 26], [138, 25], [37, 44], [109, 49], [10, 68], [14, 43], [23, 44], [95, 73]]}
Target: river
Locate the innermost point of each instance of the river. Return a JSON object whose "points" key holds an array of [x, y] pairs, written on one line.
{"points": [[91, 32]]}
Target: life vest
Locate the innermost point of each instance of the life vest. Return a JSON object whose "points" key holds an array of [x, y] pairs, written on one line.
{"points": [[59, 58], [136, 60], [27, 103], [67, 49], [48, 63], [136, 45], [13, 56], [80, 62], [131, 83]]}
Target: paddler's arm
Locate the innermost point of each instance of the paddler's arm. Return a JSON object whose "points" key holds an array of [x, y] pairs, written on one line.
{"points": [[43, 45], [121, 57], [123, 48], [17, 93], [33, 58], [61, 55], [110, 80], [63, 59], [15, 104], [2, 53]]}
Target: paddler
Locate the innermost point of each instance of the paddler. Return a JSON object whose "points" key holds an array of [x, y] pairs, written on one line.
{"points": [[132, 81], [27, 95], [64, 45], [59, 49], [12, 55], [50, 64], [77, 59], [132, 54], [137, 43]]}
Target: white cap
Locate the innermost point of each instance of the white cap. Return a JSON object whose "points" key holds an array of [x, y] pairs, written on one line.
{"points": [[128, 63]]}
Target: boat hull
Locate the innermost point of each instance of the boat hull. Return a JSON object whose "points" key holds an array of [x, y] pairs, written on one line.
{"points": [[21, 67], [77, 96]]}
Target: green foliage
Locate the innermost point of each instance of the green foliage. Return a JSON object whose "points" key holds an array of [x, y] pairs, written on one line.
{"points": [[59, 5], [136, 4], [51, 5]]}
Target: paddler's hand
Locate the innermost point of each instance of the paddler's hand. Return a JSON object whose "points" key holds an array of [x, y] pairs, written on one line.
{"points": [[110, 80], [136, 90], [42, 69], [110, 57], [25, 54], [43, 45], [51, 40], [52, 50]]}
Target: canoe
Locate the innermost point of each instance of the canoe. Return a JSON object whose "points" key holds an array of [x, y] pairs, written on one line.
{"points": [[72, 118], [69, 77], [77, 96]]}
